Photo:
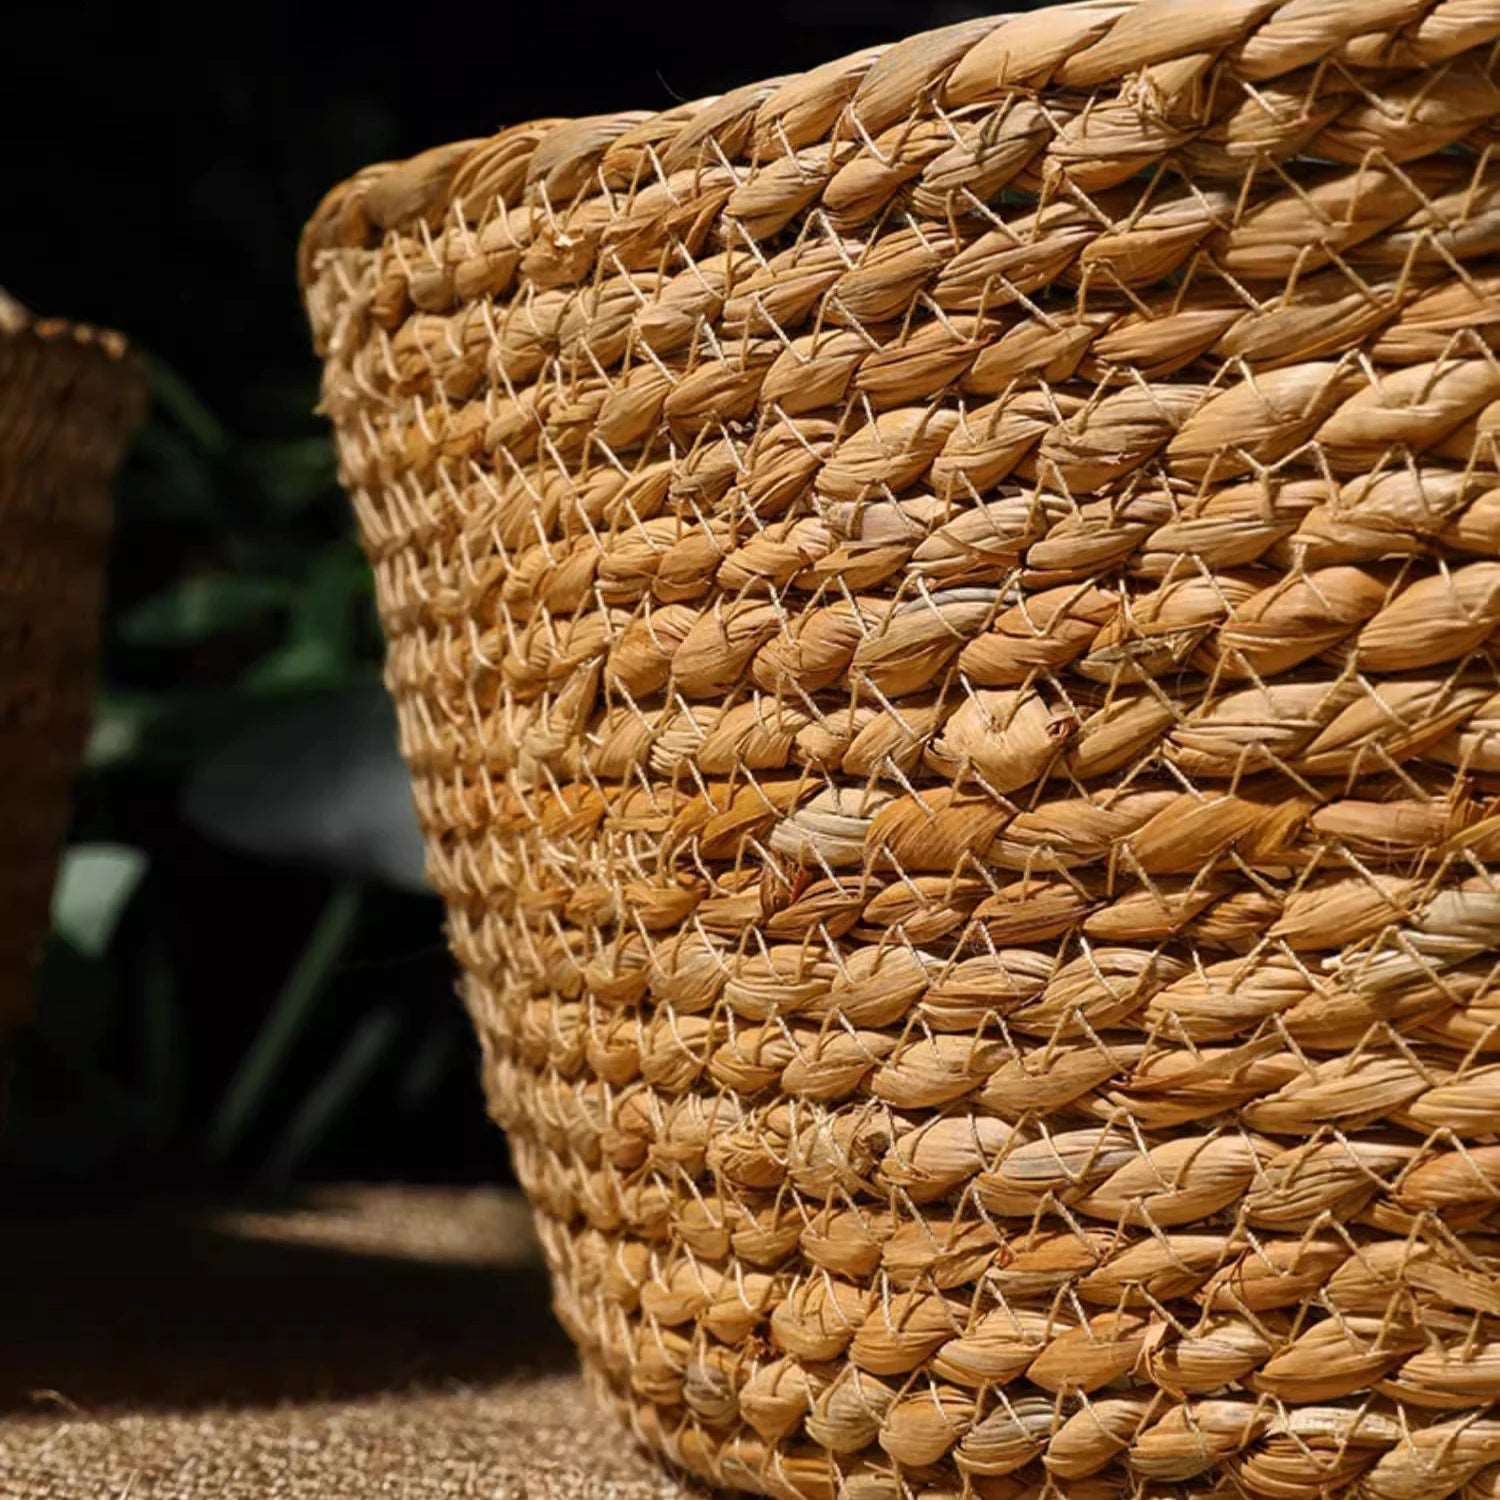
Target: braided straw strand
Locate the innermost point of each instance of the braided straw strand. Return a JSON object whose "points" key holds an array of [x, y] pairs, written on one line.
{"points": [[945, 619]]}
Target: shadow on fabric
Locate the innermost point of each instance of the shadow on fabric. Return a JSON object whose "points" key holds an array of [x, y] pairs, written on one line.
{"points": [[340, 1294]]}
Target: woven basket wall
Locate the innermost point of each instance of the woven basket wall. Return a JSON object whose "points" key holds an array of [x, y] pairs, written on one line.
{"points": [[70, 397], [945, 613]]}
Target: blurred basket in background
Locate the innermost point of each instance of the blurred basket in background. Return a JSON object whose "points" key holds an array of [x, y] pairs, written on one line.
{"points": [[70, 398], [944, 614]]}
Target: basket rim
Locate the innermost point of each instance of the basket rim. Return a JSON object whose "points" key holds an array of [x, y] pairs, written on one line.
{"points": [[409, 193], [18, 324], [416, 188]]}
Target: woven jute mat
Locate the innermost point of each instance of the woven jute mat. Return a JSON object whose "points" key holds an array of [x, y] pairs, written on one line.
{"points": [[360, 1343]]}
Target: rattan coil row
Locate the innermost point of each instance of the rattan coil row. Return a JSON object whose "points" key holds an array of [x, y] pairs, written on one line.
{"points": [[70, 398], [945, 615]]}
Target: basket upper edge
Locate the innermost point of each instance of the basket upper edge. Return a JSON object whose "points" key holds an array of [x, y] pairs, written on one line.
{"points": [[18, 322], [1081, 46], [414, 187], [105, 359]]}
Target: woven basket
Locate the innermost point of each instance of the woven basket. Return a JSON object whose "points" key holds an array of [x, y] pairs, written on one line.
{"points": [[70, 397], [944, 615]]}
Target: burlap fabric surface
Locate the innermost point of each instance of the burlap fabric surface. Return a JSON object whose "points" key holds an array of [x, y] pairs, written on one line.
{"points": [[366, 1344]]}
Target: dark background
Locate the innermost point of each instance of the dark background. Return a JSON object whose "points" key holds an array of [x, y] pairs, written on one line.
{"points": [[237, 992]]}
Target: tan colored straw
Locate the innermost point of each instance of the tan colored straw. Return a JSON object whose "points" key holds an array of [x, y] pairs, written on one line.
{"points": [[944, 612], [70, 397]]}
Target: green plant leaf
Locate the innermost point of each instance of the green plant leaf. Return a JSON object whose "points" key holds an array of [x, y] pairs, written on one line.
{"points": [[335, 585], [319, 779], [298, 1001], [300, 666], [437, 1057], [170, 479], [171, 394], [164, 733], [293, 474], [369, 1044], [121, 722], [77, 991], [322, 647], [197, 609], [76, 1001], [163, 1052], [65, 1117], [93, 888]]}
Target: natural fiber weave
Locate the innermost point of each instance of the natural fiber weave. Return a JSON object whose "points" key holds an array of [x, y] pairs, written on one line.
{"points": [[944, 615], [70, 397]]}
